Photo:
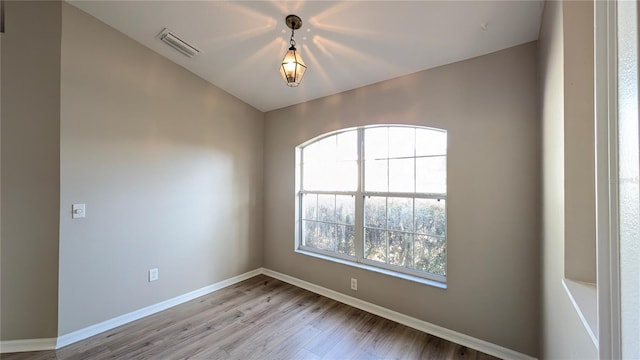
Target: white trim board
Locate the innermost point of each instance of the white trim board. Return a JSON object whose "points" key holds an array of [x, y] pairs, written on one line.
{"points": [[584, 296], [92, 330], [68, 339], [450, 335], [10, 346], [432, 329]]}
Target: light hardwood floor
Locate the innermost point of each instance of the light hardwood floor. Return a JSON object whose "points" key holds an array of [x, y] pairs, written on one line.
{"points": [[260, 318]]}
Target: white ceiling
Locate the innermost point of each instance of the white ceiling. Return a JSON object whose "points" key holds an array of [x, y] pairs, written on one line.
{"points": [[345, 44]]}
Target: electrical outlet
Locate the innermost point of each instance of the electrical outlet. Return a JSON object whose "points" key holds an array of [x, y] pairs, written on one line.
{"points": [[153, 274], [354, 284], [78, 211]]}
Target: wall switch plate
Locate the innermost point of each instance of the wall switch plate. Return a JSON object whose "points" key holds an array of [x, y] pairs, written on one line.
{"points": [[78, 211], [153, 274], [354, 284]]}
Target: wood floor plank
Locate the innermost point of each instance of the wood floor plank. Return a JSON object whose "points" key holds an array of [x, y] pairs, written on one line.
{"points": [[280, 328], [260, 318], [239, 335], [338, 324], [379, 345]]}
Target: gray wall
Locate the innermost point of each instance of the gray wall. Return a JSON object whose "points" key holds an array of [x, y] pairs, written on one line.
{"points": [[563, 335], [170, 168], [30, 169], [489, 105]]}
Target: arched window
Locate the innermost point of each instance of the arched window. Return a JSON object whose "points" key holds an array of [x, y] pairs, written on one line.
{"points": [[376, 196]]}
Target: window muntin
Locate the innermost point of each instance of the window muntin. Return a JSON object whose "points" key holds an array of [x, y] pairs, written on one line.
{"points": [[406, 232], [331, 163], [328, 223], [376, 195]]}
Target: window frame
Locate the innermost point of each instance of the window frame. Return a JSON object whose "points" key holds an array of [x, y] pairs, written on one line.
{"points": [[360, 195]]}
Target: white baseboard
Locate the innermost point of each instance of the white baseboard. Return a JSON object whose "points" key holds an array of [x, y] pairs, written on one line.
{"points": [[10, 346], [92, 330], [68, 339], [439, 331], [450, 335]]}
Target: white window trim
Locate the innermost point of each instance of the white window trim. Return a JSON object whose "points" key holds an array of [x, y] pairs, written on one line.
{"points": [[607, 222], [376, 269], [359, 261]]}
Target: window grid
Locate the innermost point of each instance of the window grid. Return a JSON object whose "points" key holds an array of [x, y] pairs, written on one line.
{"points": [[335, 222], [414, 232], [361, 195]]}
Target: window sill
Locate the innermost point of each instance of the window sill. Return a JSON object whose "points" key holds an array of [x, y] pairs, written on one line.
{"points": [[394, 274], [584, 297]]}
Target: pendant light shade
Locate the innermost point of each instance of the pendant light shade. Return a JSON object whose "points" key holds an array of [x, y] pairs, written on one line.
{"points": [[293, 68]]}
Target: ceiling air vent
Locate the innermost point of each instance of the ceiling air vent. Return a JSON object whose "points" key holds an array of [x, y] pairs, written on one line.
{"points": [[175, 42]]}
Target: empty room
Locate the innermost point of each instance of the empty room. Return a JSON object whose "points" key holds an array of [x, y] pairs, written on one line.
{"points": [[319, 180]]}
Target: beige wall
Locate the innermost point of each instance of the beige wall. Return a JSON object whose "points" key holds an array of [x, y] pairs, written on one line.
{"points": [[489, 107], [170, 168], [30, 169], [563, 335], [579, 142]]}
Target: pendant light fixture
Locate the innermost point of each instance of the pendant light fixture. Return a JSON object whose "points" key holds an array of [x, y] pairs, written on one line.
{"points": [[293, 67]]}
